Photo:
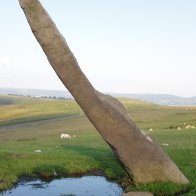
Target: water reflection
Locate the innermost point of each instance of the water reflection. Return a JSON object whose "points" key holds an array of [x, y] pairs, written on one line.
{"points": [[84, 186]]}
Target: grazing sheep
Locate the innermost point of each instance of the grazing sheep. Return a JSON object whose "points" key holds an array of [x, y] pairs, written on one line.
{"points": [[150, 129], [190, 127], [164, 144], [65, 135], [38, 151], [179, 128]]}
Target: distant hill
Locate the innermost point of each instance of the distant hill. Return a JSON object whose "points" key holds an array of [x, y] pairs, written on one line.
{"points": [[162, 99], [35, 92]]}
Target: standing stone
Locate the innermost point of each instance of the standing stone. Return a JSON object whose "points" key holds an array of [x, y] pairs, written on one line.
{"points": [[142, 158]]}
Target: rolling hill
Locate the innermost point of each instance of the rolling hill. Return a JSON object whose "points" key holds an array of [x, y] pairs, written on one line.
{"points": [[162, 99]]}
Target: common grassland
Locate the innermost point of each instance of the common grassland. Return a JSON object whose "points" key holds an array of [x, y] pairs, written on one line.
{"points": [[29, 124]]}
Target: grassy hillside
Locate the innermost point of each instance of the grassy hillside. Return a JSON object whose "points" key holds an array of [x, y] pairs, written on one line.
{"points": [[26, 109], [9, 100], [87, 152]]}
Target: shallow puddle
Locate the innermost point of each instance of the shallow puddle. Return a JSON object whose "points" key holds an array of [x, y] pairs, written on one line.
{"points": [[84, 186]]}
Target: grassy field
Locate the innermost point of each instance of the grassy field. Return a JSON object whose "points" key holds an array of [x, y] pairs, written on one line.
{"points": [[29, 124], [25, 109]]}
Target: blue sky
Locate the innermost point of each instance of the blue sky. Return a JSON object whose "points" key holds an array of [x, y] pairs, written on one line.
{"points": [[125, 46]]}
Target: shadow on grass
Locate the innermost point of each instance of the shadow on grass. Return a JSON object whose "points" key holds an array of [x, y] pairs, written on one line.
{"points": [[49, 172], [77, 161], [104, 158]]}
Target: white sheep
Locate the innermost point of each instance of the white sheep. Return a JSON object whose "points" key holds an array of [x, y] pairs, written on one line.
{"points": [[38, 151], [65, 135]]}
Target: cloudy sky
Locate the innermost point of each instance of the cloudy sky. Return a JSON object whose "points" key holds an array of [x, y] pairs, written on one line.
{"points": [[124, 46]]}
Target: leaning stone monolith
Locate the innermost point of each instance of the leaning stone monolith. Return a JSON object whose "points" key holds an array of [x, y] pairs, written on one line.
{"points": [[143, 159]]}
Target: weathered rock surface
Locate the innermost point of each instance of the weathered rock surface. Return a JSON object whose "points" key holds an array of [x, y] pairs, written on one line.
{"points": [[143, 159]]}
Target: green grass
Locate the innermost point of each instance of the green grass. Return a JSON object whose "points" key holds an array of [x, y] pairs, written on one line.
{"points": [[26, 109], [88, 152]]}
